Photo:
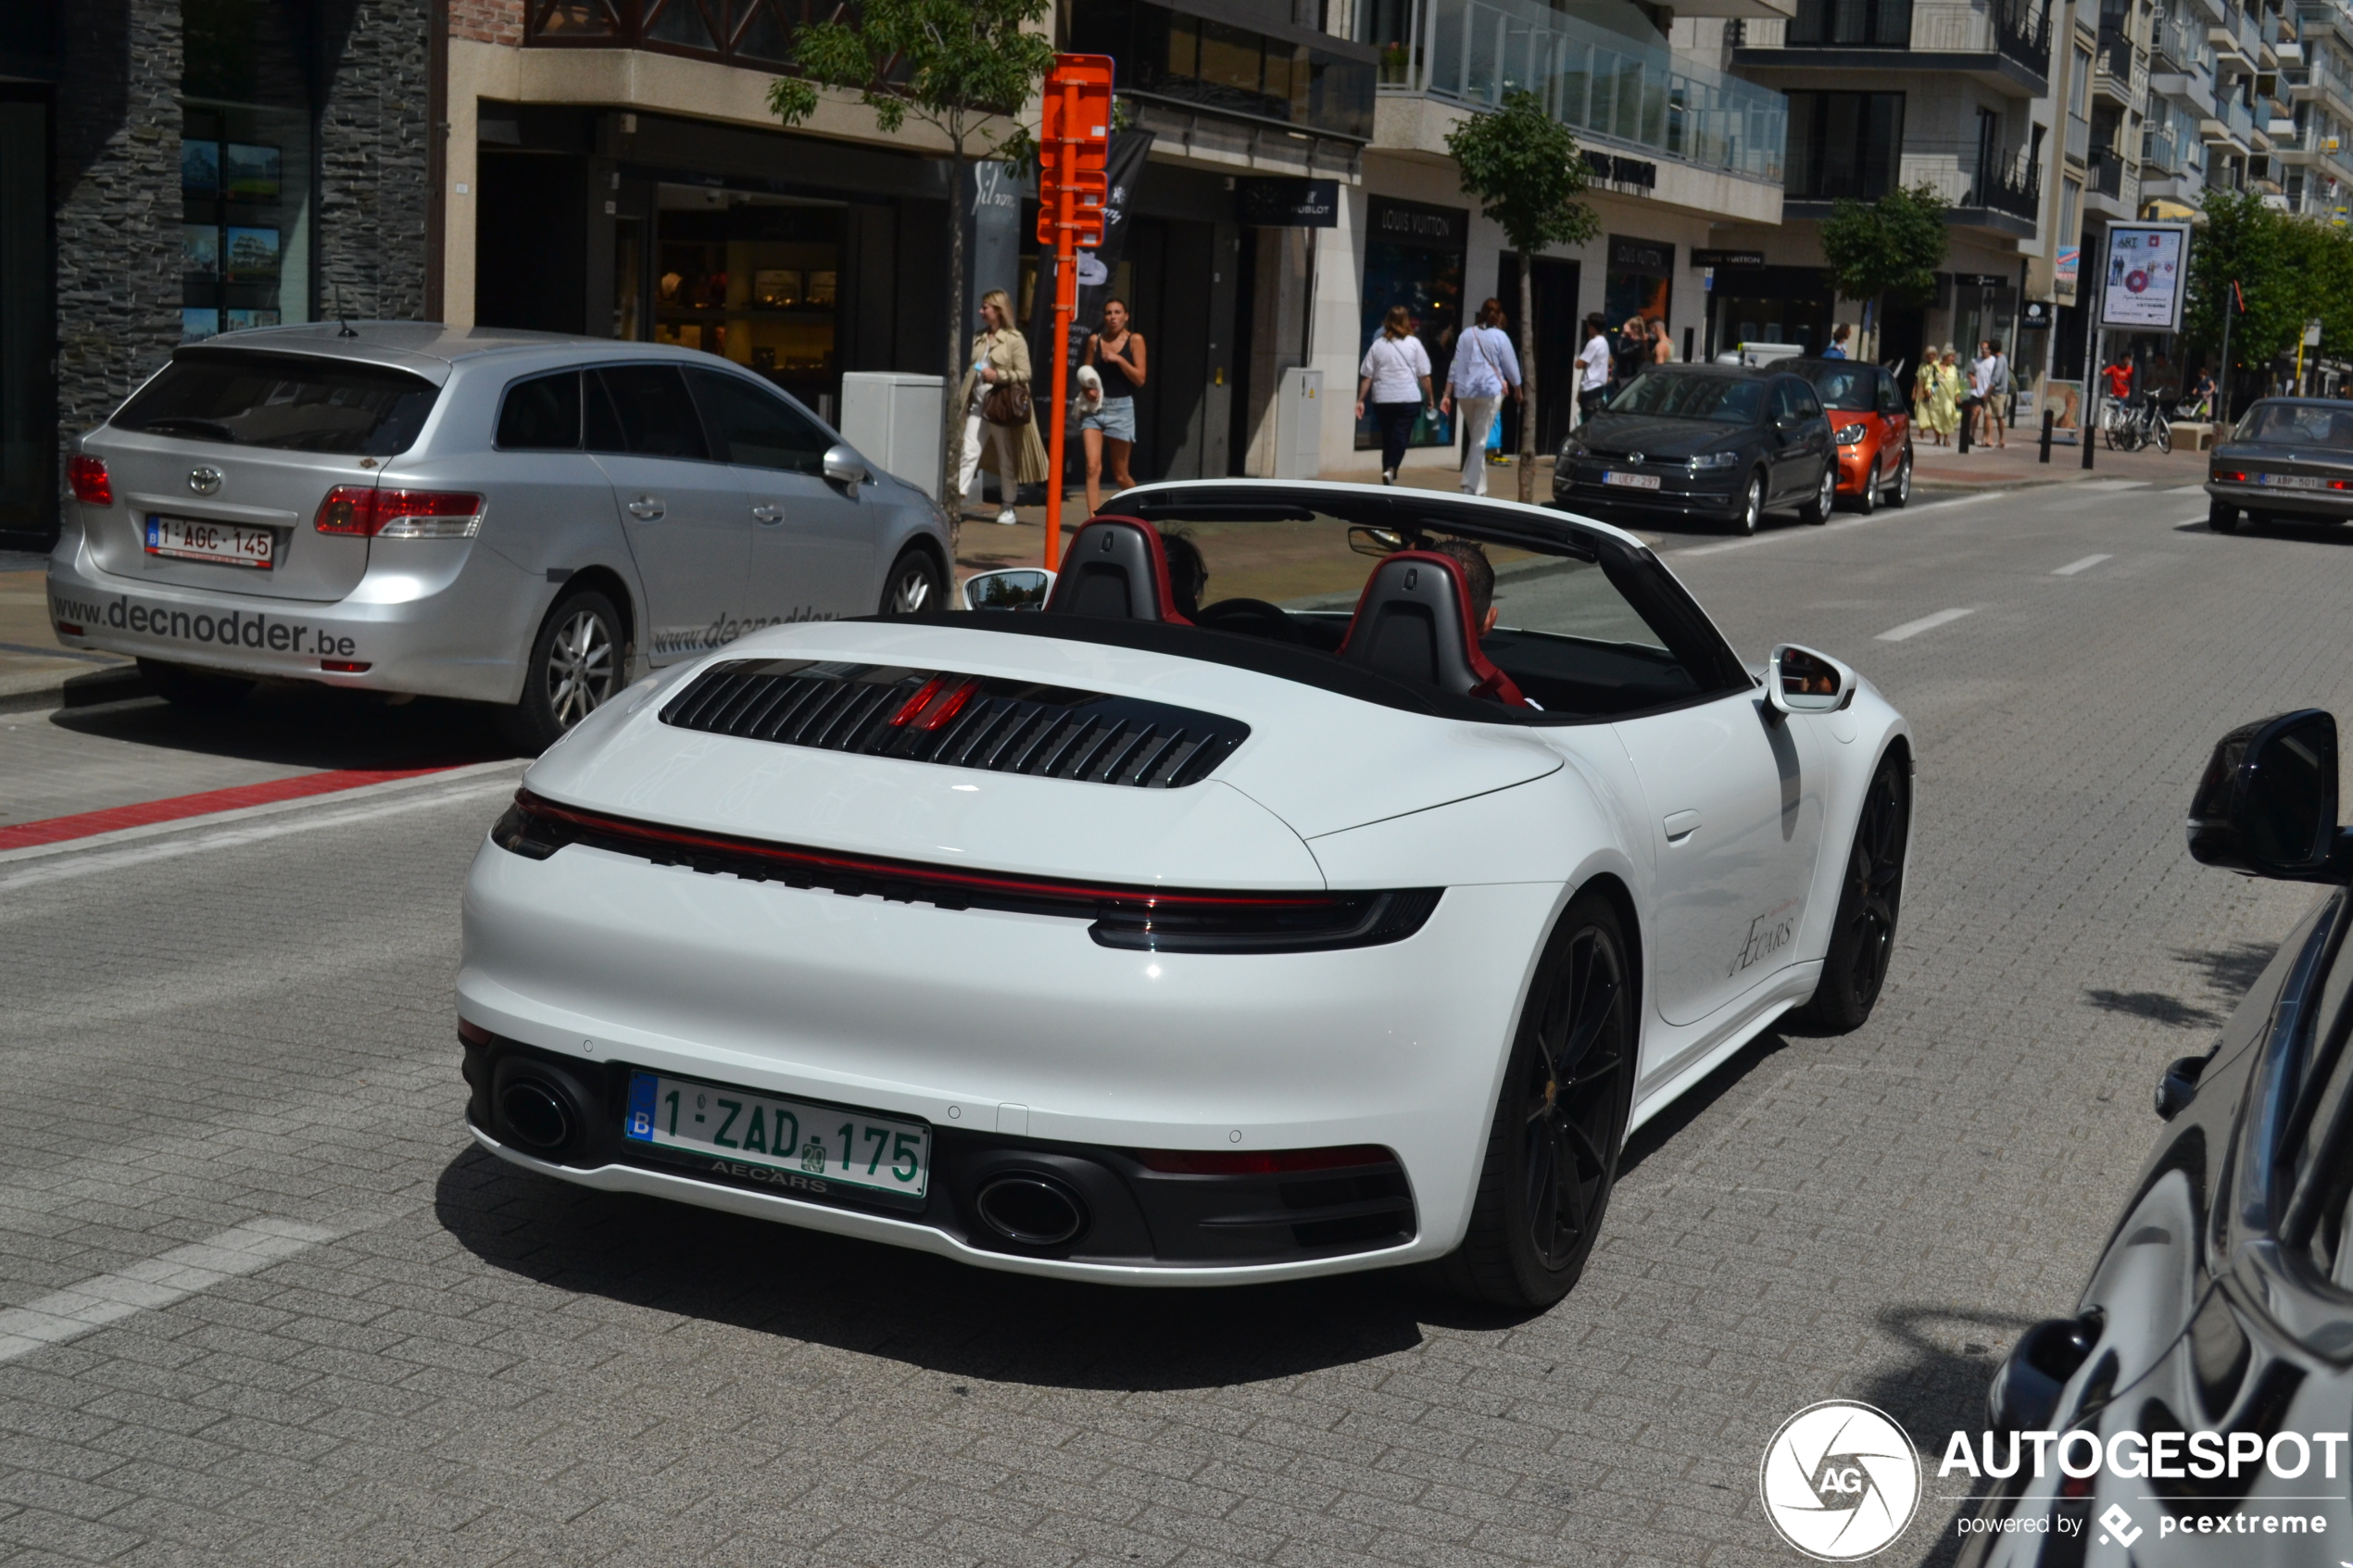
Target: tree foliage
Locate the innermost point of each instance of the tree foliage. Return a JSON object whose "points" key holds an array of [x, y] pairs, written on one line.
{"points": [[966, 69], [1526, 171], [2288, 271], [1892, 247]]}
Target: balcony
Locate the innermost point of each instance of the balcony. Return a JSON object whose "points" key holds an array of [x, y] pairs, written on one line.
{"points": [[1988, 189], [2005, 44], [2112, 190], [1613, 89], [2118, 74]]}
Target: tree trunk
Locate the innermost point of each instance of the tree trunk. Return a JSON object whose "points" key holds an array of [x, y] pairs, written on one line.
{"points": [[951, 427], [1526, 376]]}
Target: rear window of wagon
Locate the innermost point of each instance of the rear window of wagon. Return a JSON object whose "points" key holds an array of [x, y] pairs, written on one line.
{"points": [[291, 401]]}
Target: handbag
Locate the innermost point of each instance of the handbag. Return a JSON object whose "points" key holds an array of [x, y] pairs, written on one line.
{"points": [[1007, 404]]}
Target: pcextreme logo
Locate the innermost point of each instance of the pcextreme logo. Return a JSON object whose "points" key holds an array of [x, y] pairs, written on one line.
{"points": [[1840, 1480]]}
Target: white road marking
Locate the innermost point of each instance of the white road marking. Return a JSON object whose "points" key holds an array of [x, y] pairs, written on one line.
{"points": [[1886, 514], [1925, 623], [2072, 567], [198, 843], [512, 765], [181, 1272]]}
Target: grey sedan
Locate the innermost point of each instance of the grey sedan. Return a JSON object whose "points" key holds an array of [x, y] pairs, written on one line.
{"points": [[1702, 443], [2289, 458], [512, 517]]}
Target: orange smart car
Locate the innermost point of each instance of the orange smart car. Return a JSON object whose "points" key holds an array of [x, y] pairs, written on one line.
{"points": [[1872, 425]]}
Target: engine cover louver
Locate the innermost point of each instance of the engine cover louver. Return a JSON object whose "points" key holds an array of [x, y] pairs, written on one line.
{"points": [[959, 721]]}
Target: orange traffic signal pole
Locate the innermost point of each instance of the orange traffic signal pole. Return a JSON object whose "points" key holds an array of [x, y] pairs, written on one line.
{"points": [[1074, 144]]}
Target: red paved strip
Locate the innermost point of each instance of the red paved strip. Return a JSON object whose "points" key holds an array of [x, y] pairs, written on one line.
{"points": [[56, 830]]}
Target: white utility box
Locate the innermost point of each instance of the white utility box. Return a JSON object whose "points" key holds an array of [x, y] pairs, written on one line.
{"points": [[1299, 425], [893, 419]]}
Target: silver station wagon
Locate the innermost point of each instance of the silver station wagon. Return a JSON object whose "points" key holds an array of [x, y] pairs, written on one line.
{"points": [[512, 517]]}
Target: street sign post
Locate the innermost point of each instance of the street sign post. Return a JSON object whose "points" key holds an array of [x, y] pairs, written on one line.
{"points": [[1073, 150]]}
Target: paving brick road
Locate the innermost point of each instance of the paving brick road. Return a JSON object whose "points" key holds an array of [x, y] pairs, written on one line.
{"points": [[260, 1302]]}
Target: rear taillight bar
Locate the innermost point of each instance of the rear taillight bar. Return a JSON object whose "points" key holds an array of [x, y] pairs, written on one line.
{"points": [[1142, 919], [372, 513], [88, 476]]}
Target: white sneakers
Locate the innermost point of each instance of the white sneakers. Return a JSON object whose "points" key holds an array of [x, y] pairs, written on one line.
{"points": [[1007, 518]]}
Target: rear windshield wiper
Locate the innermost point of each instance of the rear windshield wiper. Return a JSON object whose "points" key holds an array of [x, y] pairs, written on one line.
{"points": [[174, 424]]}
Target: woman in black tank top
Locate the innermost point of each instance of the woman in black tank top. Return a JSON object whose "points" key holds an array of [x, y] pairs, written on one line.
{"points": [[1117, 355]]}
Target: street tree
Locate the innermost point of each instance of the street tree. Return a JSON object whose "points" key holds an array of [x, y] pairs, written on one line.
{"points": [[1890, 248], [964, 67], [1526, 171], [2289, 271]]}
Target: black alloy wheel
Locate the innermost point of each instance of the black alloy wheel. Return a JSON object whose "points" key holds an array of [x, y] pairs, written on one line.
{"points": [[1870, 898], [1902, 495], [1552, 1151], [2222, 517], [575, 668], [913, 585], [1751, 510], [1817, 510]]}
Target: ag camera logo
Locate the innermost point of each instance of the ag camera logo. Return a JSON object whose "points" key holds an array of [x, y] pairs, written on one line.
{"points": [[1840, 1480]]}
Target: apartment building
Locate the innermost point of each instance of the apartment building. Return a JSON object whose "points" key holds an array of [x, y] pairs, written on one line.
{"points": [[2316, 71], [1953, 94]]}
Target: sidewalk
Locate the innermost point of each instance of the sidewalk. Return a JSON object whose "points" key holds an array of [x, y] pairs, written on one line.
{"points": [[2014, 466], [34, 669]]}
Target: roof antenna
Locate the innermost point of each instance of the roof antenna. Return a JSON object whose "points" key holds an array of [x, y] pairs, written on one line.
{"points": [[343, 321]]}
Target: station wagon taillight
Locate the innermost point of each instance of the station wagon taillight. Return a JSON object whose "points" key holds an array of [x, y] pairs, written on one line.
{"points": [[371, 513], [88, 475]]}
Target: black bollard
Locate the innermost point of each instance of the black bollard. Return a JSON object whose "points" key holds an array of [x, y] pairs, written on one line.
{"points": [[1969, 418], [2046, 438]]}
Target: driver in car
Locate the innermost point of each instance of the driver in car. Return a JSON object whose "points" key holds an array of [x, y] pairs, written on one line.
{"points": [[1478, 577], [1187, 573]]}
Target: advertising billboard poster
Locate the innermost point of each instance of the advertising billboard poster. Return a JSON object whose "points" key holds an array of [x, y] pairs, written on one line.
{"points": [[2147, 271]]}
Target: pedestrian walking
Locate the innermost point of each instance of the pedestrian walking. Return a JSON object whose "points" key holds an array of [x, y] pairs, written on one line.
{"points": [[1997, 393], [995, 397], [1108, 429], [1592, 369], [1485, 368], [1395, 376]]}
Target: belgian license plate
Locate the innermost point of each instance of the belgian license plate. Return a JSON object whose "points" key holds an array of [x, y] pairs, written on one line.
{"points": [[1631, 480], [2291, 481], [856, 1149], [188, 538]]}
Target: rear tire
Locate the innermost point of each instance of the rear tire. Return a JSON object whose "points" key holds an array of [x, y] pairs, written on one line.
{"points": [[1817, 509], [575, 668], [913, 585], [1870, 898], [1551, 1149], [183, 687], [2222, 517]]}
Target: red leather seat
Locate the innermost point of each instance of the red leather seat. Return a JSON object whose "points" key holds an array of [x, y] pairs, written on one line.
{"points": [[1117, 568], [1414, 621]]}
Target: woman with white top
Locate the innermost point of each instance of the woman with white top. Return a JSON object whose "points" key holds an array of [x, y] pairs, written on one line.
{"points": [[1484, 366], [1396, 375], [998, 357]]}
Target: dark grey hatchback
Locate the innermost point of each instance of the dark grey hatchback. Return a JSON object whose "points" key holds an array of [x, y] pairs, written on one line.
{"points": [[2204, 1386], [1710, 442], [2289, 458]]}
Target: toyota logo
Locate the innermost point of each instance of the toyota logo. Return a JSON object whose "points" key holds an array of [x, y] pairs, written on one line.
{"points": [[204, 481]]}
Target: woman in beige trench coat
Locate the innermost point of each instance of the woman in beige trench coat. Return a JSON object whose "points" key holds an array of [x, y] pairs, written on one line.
{"points": [[1015, 454]]}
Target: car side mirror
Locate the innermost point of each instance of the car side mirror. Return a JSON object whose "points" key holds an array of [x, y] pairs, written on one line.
{"points": [[1015, 587], [844, 466], [2267, 805], [1801, 681]]}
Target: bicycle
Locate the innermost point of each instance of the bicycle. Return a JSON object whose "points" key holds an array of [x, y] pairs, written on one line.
{"points": [[2128, 426]]}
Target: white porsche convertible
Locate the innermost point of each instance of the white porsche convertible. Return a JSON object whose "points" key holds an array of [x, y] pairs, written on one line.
{"points": [[1325, 878]]}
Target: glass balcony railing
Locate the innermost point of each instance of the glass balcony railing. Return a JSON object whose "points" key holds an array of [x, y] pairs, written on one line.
{"points": [[1598, 82]]}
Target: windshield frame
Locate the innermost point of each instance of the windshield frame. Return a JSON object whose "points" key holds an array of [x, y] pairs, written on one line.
{"points": [[1678, 377], [1691, 639], [2336, 408]]}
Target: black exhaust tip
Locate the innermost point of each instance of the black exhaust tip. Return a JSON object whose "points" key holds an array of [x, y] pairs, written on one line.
{"points": [[1033, 1210], [536, 1114]]}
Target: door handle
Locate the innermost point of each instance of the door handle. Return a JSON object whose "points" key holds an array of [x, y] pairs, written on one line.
{"points": [[1680, 825], [646, 508], [767, 512]]}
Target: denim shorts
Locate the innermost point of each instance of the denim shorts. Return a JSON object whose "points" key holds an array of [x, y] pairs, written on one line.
{"points": [[1115, 416]]}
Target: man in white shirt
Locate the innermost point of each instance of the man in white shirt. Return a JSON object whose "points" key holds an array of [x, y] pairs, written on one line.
{"points": [[1997, 393], [1594, 368], [1483, 367]]}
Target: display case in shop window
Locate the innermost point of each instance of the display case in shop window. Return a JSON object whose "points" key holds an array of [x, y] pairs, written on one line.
{"points": [[769, 303], [245, 218]]}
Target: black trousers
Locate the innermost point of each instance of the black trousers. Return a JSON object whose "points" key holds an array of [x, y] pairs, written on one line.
{"points": [[1396, 421]]}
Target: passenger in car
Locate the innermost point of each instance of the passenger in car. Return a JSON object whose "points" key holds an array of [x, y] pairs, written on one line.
{"points": [[1479, 579], [1187, 573]]}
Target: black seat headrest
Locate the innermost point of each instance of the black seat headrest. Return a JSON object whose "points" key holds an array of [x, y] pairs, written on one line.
{"points": [[1117, 568], [1414, 622]]}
